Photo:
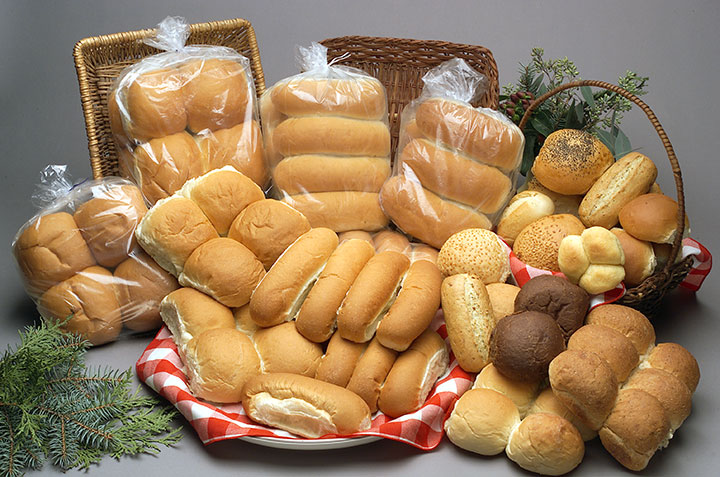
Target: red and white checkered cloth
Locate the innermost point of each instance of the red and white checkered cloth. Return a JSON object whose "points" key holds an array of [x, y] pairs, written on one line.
{"points": [[160, 368]]}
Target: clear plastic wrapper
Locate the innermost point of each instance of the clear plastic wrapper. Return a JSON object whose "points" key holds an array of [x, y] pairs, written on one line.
{"points": [[179, 114], [456, 165], [327, 142], [80, 262]]}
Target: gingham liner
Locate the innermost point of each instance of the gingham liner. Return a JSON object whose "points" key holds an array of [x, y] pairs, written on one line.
{"points": [[160, 368]]}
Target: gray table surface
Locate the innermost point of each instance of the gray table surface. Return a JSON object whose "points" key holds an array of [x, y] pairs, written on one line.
{"points": [[675, 43]]}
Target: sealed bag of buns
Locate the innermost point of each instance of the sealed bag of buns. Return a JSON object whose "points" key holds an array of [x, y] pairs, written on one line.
{"points": [[456, 165], [184, 112], [327, 141], [80, 262]]}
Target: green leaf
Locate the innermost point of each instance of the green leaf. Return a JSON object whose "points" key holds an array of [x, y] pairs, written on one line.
{"points": [[571, 118], [541, 124], [542, 89], [587, 95], [622, 144], [537, 82], [607, 139], [528, 154], [580, 113]]}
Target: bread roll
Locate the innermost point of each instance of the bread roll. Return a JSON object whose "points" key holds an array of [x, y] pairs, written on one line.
{"points": [[244, 322], [304, 406], [610, 345], [317, 173], [564, 204], [222, 194], [420, 251], [240, 146], [340, 211], [502, 298], [594, 260], [671, 393], [355, 234], [370, 373], [478, 252], [522, 393], [317, 317], [331, 135], [51, 250], [172, 230], [676, 360], [640, 258], [413, 375], [268, 227], [624, 180], [141, 284], [391, 240], [271, 117], [522, 210], [219, 362], [339, 361], [537, 244], [410, 131], [281, 292], [224, 269], [88, 299], [424, 215], [107, 222], [155, 105], [485, 137], [570, 161], [629, 322], [650, 217], [469, 320], [547, 402], [283, 350], [371, 295]]}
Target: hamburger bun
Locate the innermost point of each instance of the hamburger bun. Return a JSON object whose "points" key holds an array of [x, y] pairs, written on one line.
{"points": [[651, 217], [478, 252], [240, 146], [155, 105]]}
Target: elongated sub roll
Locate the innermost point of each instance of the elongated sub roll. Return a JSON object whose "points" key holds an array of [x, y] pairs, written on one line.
{"points": [[391, 240], [316, 173], [283, 350], [370, 373], [340, 360], [341, 210]]}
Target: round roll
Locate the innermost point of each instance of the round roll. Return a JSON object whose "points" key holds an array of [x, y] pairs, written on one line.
{"points": [[413, 309], [355, 234], [361, 97], [488, 138], [219, 362], [594, 260], [316, 173], [340, 211], [522, 210], [316, 319], [410, 131], [155, 105], [672, 393], [339, 361], [676, 360], [51, 250], [413, 375], [281, 292], [172, 230], [469, 319], [627, 321], [502, 298], [222, 194], [370, 373], [482, 421], [478, 252], [547, 444], [456, 177], [370, 296], [610, 345], [224, 269], [548, 403], [564, 204], [537, 244], [141, 284], [391, 240], [424, 215], [640, 258], [108, 222], [304, 406], [650, 217], [331, 135], [240, 146], [283, 350], [268, 227], [420, 251], [521, 393]]}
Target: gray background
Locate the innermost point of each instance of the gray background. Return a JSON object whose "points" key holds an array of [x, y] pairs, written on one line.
{"points": [[675, 43]]}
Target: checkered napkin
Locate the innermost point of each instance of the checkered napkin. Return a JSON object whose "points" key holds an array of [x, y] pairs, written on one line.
{"points": [[160, 368]]}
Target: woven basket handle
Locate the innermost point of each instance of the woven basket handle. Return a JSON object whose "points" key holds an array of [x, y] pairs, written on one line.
{"points": [[658, 127]]}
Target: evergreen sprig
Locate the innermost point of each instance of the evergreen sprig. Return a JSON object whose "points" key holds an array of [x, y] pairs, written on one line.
{"points": [[53, 407]]}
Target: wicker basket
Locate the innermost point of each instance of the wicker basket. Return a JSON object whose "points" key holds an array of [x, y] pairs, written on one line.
{"points": [[99, 60], [647, 296], [401, 63]]}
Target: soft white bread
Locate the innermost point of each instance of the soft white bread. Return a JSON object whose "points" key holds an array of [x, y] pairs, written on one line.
{"points": [[547, 402], [423, 214], [317, 317], [502, 298], [50, 250], [222, 194], [318, 173], [304, 406], [455, 176], [409, 130], [361, 97], [391, 240], [414, 308], [522, 210], [676, 360], [218, 364], [141, 284], [673, 395], [651, 217], [281, 292], [283, 350], [268, 227], [537, 244], [521, 393], [469, 320], [240, 146], [478, 252], [486, 138], [339, 361], [172, 230], [640, 258], [413, 375], [355, 234], [107, 222], [331, 135], [610, 345], [340, 210], [594, 260], [371, 295], [547, 444], [89, 299], [244, 322], [626, 179], [482, 421], [155, 105], [628, 321], [370, 373], [188, 313], [224, 269], [420, 251]]}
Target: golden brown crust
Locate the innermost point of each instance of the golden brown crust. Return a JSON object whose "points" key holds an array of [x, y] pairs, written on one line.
{"points": [[339, 361], [318, 173], [341, 210], [478, 252], [283, 350], [537, 244], [502, 297], [523, 209], [522, 393], [610, 345], [672, 393], [240, 146], [370, 373], [640, 258], [650, 217], [155, 105], [549, 403], [391, 240], [628, 321], [676, 360]]}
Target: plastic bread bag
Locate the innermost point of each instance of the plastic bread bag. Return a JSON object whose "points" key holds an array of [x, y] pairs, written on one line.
{"points": [[389, 239], [456, 165], [179, 114], [327, 140], [78, 257]]}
